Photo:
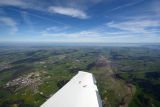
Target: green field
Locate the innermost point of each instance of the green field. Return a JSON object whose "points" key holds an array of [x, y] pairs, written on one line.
{"points": [[126, 76]]}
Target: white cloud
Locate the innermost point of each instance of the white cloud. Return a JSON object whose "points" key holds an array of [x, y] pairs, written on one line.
{"points": [[9, 22], [126, 5], [131, 31], [84, 36], [63, 36], [81, 34], [98, 37], [56, 28], [135, 26], [68, 12], [45, 7], [18, 3]]}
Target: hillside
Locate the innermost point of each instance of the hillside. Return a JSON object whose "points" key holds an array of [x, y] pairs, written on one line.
{"points": [[126, 76]]}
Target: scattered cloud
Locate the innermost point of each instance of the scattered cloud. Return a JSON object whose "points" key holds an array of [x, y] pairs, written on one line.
{"points": [[57, 28], [82, 34], [155, 7], [98, 37], [135, 26], [73, 12], [27, 20], [143, 24], [54, 30], [9, 22], [64, 9], [17, 3], [130, 30], [125, 5]]}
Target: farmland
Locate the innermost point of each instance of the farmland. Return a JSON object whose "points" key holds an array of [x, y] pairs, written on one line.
{"points": [[126, 76]]}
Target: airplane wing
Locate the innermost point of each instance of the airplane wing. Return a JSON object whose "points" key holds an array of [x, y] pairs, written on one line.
{"points": [[80, 91]]}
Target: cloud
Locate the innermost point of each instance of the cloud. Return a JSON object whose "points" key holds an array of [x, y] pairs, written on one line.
{"points": [[81, 34], [17, 3], [56, 28], [27, 20], [129, 31], [156, 7], [126, 5], [123, 28], [139, 30], [68, 12], [9, 22], [64, 9], [135, 26], [98, 37]]}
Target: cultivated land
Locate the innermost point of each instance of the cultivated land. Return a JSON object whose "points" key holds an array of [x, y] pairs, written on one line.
{"points": [[126, 76]]}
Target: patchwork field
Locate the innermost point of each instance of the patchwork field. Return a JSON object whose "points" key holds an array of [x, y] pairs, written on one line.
{"points": [[126, 76]]}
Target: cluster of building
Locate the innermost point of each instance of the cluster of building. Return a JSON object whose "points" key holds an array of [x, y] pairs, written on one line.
{"points": [[31, 80]]}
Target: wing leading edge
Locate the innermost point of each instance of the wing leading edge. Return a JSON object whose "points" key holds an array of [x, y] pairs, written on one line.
{"points": [[80, 91]]}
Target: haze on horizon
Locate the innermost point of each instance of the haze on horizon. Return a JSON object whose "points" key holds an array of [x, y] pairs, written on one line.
{"points": [[81, 21]]}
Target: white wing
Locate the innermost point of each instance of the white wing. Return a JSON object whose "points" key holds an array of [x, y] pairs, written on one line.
{"points": [[80, 91]]}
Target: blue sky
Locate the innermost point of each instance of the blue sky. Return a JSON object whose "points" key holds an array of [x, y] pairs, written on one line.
{"points": [[84, 21]]}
